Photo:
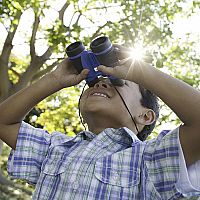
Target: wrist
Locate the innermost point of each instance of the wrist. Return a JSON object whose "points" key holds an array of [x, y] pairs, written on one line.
{"points": [[140, 71], [54, 81]]}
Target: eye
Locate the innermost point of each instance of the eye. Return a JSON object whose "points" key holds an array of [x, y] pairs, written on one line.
{"points": [[126, 83]]}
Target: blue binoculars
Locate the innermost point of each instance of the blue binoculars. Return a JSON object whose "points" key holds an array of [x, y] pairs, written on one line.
{"points": [[102, 53]]}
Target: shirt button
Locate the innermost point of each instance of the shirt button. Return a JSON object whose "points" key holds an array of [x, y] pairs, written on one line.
{"points": [[75, 185], [116, 177], [116, 174]]}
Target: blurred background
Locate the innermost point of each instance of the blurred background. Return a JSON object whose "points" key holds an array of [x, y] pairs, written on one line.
{"points": [[35, 33]]}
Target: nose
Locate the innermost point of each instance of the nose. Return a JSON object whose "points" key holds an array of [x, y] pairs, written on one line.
{"points": [[101, 84]]}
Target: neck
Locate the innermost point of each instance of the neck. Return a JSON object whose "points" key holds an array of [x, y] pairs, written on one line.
{"points": [[98, 124]]}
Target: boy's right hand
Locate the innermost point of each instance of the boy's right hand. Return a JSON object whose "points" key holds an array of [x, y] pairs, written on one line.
{"points": [[66, 75]]}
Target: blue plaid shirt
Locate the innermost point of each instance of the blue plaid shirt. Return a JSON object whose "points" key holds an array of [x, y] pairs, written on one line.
{"points": [[112, 165]]}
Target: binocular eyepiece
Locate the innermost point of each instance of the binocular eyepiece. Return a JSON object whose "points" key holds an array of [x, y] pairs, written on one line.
{"points": [[102, 53]]}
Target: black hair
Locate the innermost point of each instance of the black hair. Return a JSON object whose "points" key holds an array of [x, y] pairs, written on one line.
{"points": [[148, 100]]}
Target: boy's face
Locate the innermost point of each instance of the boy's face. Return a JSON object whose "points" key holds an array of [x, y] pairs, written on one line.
{"points": [[104, 103]]}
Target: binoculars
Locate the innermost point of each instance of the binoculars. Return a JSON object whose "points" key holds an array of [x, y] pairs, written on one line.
{"points": [[102, 53]]}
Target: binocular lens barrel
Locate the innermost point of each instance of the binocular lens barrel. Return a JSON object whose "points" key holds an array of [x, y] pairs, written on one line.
{"points": [[75, 49], [100, 45], [104, 51]]}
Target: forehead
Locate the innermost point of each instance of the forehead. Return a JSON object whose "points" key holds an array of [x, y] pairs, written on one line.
{"points": [[132, 85], [131, 90]]}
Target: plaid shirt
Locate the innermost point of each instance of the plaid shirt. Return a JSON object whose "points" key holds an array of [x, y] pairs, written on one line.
{"points": [[112, 165]]}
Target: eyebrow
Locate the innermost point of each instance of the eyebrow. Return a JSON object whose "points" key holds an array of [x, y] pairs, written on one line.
{"points": [[105, 79]]}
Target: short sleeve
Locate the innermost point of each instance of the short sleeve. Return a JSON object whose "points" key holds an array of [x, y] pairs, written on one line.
{"points": [[194, 175], [32, 145], [167, 166], [189, 179], [162, 160]]}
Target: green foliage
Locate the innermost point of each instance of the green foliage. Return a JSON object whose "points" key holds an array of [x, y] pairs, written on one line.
{"points": [[17, 67], [125, 22], [9, 8], [57, 34], [21, 190], [60, 112]]}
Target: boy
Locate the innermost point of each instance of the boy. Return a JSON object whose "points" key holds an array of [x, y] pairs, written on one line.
{"points": [[108, 161]]}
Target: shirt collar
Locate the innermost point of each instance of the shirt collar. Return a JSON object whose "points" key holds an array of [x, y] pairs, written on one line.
{"points": [[122, 135], [87, 135]]}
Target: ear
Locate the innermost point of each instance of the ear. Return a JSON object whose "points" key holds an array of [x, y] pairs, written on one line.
{"points": [[147, 117]]}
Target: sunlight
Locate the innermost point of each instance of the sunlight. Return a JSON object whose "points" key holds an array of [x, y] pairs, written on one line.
{"points": [[137, 52]]}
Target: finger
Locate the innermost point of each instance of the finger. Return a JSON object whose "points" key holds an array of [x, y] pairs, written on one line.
{"points": [[121, 48], [65, 62], [82, 75], [125, 61], [106, 70]]}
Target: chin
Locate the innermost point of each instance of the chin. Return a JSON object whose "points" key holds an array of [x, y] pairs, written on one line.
{"points": [[95, 107], [96, 112]]}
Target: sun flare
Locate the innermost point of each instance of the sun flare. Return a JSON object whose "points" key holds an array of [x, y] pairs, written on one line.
{"points": [[137, 52]]}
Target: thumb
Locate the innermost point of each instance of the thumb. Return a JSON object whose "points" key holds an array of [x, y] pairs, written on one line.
{"points": [[82, 75], [106, 70]]}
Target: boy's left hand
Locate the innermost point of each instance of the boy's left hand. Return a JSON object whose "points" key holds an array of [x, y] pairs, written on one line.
{"points": [[128, 68]]}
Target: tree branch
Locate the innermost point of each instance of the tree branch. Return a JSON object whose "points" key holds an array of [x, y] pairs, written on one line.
{"points": [[72, 18], [96, 34], [33, 36], [36, 61], [62, 11], [49, 51], [46, 54], [8, 42], [99, 29], [4, 57], [103, 7], [78, 18]]}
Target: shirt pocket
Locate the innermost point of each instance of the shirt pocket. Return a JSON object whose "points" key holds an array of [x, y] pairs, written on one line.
{"points": [[57, 161], [54, 167], [114, 171]]}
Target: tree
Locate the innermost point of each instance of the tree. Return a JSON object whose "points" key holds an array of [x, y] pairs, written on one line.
{"points": [[129, 22]]}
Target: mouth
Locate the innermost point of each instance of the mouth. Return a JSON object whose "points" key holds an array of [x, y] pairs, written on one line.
{"points": [[99, 94]]}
